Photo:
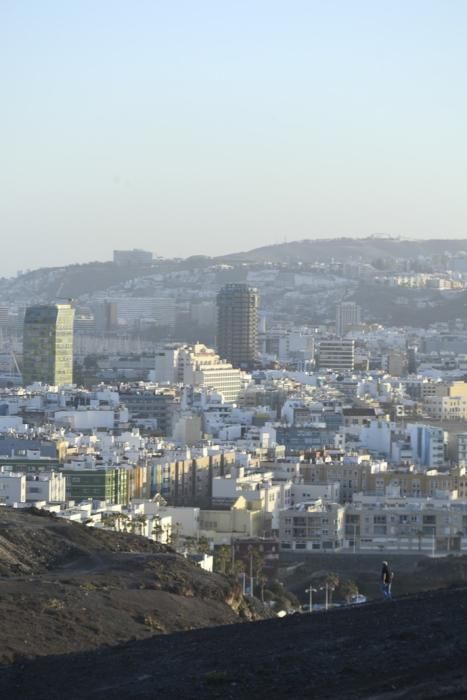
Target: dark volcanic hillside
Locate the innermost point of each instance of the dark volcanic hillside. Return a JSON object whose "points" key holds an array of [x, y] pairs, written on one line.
{"points": [[65, 587], [410, 649]]}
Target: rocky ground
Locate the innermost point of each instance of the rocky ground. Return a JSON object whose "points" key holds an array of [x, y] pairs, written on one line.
{"points": [[66, 588], [412, 648]]}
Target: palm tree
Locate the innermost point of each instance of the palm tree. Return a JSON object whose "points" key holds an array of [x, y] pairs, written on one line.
{"points": [[174, 535], [203, 545], [109, 520], [139, 522], [157, 529], [223, 558]]}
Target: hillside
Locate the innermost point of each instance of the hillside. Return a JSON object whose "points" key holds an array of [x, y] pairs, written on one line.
{"points": [[409, 649], [346, 249], [70, 281], [74, 281], [65, 587]]}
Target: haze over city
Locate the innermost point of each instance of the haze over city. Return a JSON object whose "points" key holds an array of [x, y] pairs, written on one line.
{"points": [[207, 127]]}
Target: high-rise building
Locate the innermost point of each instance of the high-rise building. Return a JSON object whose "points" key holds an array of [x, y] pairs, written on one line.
{"points": [[347, 314], [237, 318], [132, 257], [48, 344]]}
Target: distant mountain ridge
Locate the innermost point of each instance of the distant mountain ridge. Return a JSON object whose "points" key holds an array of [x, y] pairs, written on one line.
{"points": [[77, 280], [345, 249]]}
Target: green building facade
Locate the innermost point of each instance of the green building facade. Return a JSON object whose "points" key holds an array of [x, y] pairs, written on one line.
{"points": [[99, 484], [48, 344]]}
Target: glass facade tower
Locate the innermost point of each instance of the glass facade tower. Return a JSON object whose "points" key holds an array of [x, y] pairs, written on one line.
{"points": [[48, 344]]}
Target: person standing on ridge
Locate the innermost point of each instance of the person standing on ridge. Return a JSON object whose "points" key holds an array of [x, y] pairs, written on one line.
{"points": [[386, 581]]}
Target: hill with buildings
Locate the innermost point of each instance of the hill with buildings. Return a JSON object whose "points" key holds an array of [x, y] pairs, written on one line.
{"points": [[69, 281], [344, 249], [410, 648], [65, 587], [75, 280]]}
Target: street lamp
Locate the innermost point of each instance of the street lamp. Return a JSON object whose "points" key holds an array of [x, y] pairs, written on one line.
{"points": [[310, 590], [327, 588]]}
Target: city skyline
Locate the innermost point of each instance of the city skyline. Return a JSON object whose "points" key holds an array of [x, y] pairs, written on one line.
{"points": [[212, 129]]}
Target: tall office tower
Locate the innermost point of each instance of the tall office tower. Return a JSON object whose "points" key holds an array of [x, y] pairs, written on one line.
{"points": [[48, 344], [237, 319], [347, 314]]}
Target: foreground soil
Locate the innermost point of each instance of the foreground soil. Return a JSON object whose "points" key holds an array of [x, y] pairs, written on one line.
{"points": [[65, 588], [412, 648]]}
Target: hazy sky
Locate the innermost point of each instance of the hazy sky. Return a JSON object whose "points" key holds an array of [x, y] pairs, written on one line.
{"points": [[212, 126]]}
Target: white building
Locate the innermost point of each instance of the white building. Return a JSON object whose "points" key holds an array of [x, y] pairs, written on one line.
{"points": [[90, 419], [302, 493], [337, 354], [200, 366], [257, 488], [48, 487], [428, 444], [12, 488]]}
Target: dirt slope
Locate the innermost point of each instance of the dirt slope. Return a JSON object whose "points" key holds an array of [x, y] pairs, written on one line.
{"points": [[413, 648], [65, 587]]}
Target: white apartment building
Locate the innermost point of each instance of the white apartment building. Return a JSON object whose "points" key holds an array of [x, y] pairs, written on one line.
{"points": [[312, 526], [258, 490], [394, 523], [337, 354], [90, 419], [302, 493], [48, 486], [200, 366], [12, 488], [428, 444], [446, 407]]}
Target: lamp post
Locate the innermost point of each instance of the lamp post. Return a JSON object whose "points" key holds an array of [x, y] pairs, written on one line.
{"points": [[328, 589], [310, 590]]}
